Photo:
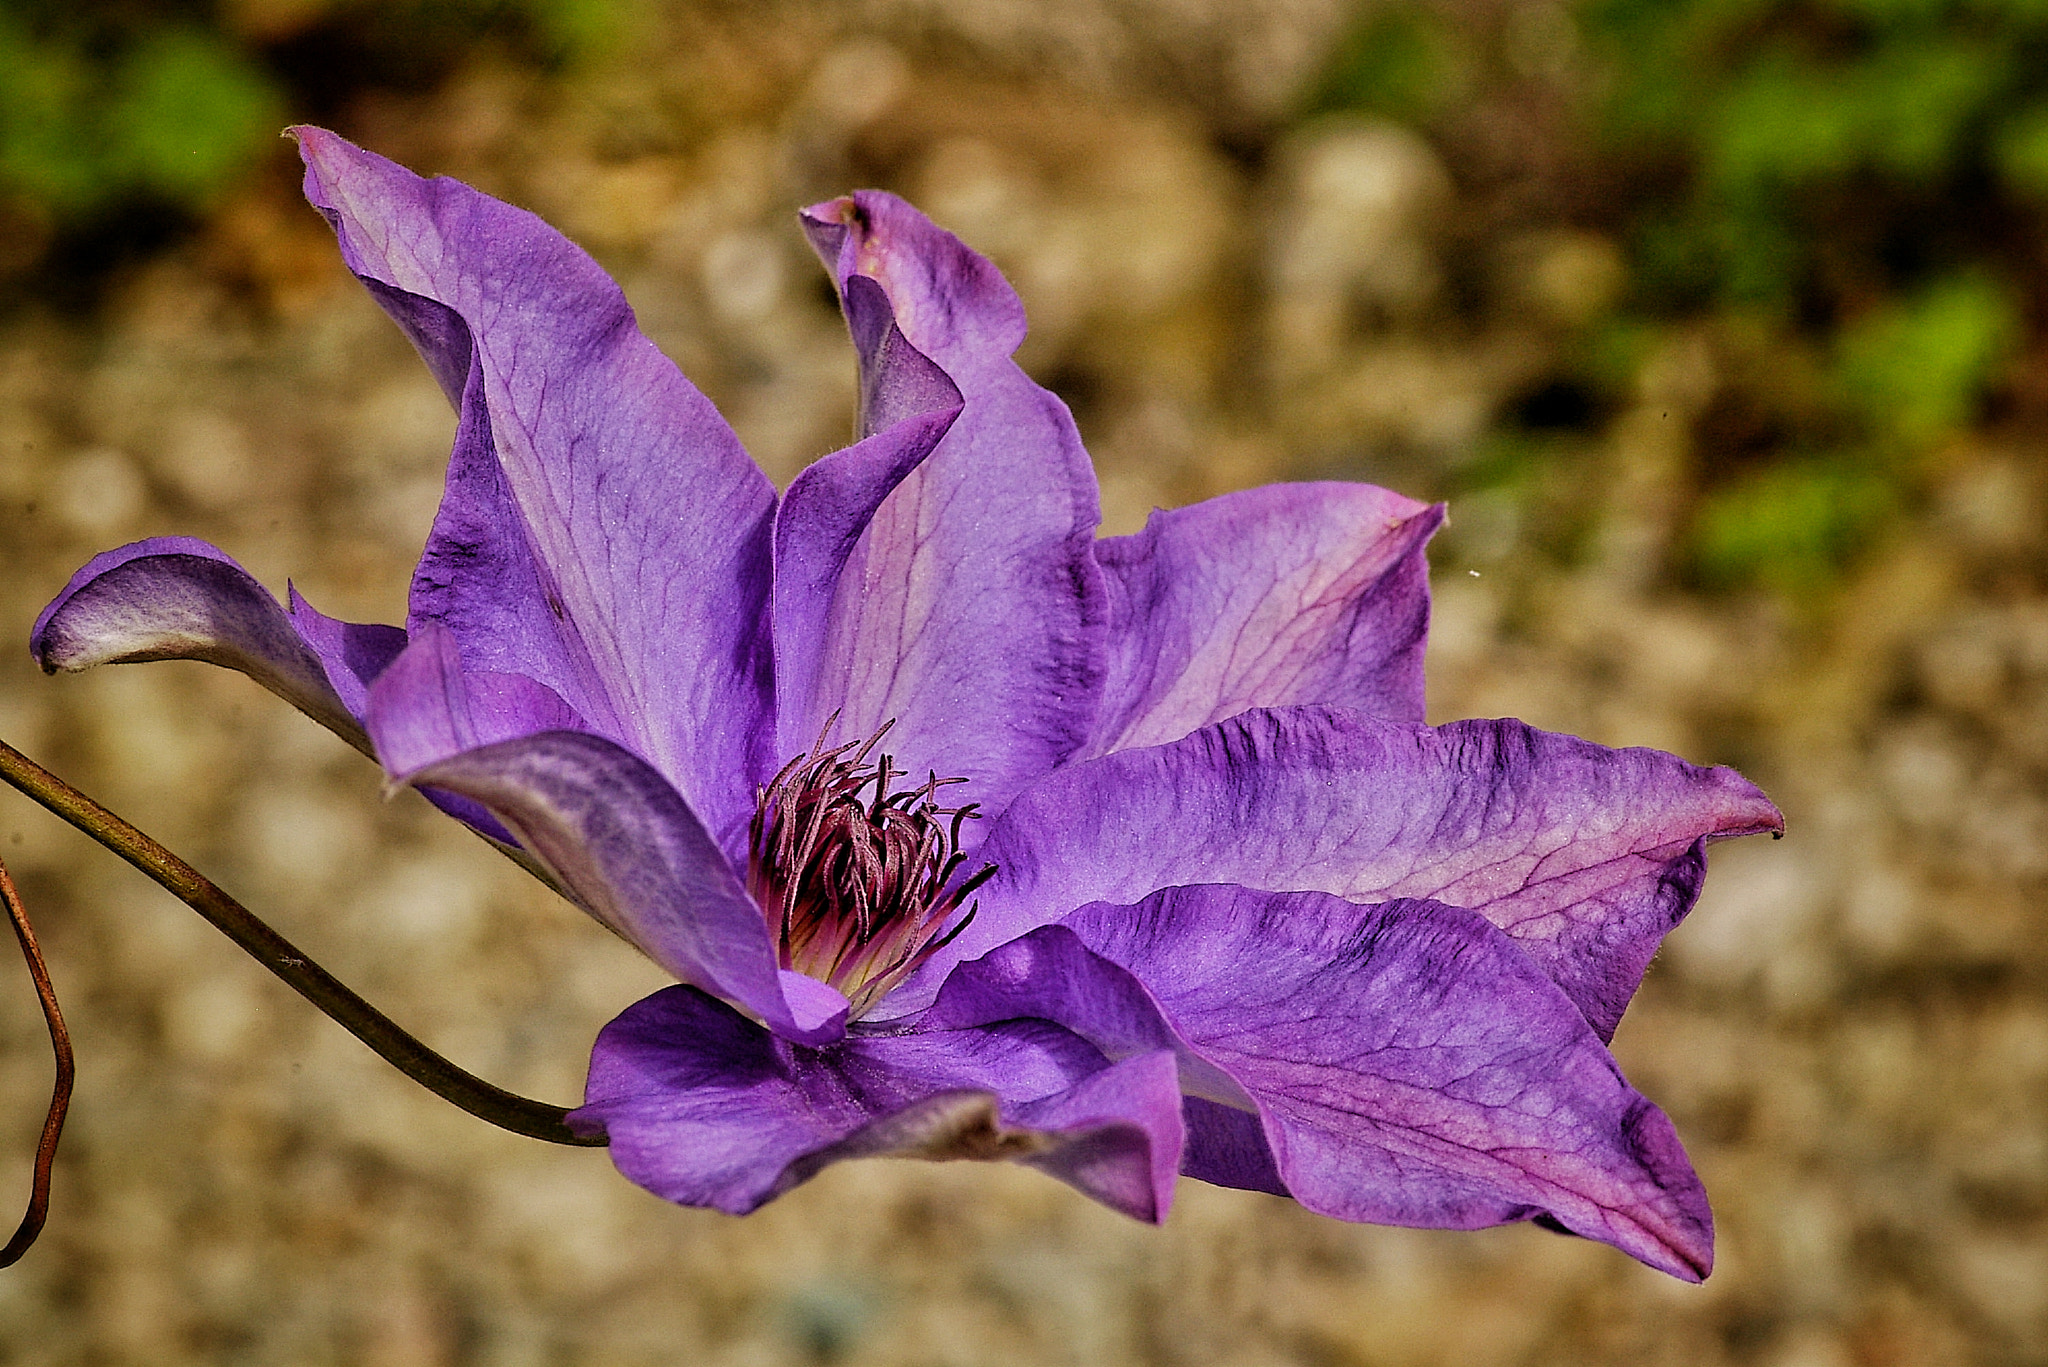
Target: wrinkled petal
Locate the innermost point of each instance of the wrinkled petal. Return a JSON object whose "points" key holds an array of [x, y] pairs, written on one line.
{"points": [[634, 855], [1272, 597], [971, 611], [634, 528], [1410, 1066], [704, 1107], [177, 598], [1586, 856]]}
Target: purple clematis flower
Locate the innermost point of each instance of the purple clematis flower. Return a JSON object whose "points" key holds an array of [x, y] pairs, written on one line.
{"points": [[966, 834]]}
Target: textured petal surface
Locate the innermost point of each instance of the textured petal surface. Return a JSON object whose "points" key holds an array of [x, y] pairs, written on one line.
{"points": [[1283, 595], [1410, 1066], [176, 598], [704, 1107], [971, 611], [1587, 856], [592, 487], [627, 846]]}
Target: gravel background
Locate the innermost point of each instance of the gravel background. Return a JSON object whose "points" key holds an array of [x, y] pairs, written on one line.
{"points": [[1851, 1033]]}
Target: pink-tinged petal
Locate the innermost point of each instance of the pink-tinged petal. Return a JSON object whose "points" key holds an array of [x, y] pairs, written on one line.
{"points": [[1273, 597], [177, 598], [971, 610], [704, 1107], [634, 528], [1586, 856], [1410, 1066], [629, 849]]}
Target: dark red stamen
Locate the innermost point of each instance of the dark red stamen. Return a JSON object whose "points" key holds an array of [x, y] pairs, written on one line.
{"points": [[856, 890]]}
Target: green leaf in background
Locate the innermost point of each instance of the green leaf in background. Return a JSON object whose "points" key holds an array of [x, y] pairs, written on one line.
{"points": [[1916, 370], [1791, 526], [175, 113], [186, 114]]}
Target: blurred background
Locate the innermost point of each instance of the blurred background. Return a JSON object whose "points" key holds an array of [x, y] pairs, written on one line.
{"points": [[1722, 324]]}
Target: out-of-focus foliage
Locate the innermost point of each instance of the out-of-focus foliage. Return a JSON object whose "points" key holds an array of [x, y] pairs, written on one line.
{"points": [[160, 106], [1847, 195]]}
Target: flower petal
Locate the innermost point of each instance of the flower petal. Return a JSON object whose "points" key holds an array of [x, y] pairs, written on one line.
{"points": [[820, 521], [638, 525], [1410, 1066], [1283, 595], [426, 708], [704, 1107], [971, 612], [1051, 974], [1587, 856], [633, 854], [177, 598]]}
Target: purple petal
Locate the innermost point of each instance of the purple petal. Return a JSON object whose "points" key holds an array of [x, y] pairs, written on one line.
{"points": [[633, 854], [425, 708], [703, 1107], [354, 653], [971, 611], [177, 598], [1284, 595], [1410, 1066], [1587, 856], [618, 551], [1050, 974], [820, 522]]}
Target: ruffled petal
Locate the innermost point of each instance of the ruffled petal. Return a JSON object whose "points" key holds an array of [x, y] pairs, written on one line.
{"points": [[703, 1107], [633, 854], [603, 532], [971, 611], [1409, 1066], [1586, 856], [177, 598], [1272, 597]]}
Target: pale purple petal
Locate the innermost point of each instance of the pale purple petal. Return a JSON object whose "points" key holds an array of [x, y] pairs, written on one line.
{"points": [[620, 494], [1587, 856], [1271, 597], [634, 855], [704, 1107], [177, 598], [971, 611], [817, 526], [1410, 1066]]}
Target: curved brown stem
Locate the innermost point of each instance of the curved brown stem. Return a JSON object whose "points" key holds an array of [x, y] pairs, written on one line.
{"points": [[506, 1110], [60, 1094]]}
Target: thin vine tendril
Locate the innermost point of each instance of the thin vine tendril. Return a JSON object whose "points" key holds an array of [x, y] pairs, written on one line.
{"points": [[506, 1110], [60, 1093]]}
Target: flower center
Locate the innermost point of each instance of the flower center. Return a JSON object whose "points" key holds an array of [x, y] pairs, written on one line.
{"points": [[853, 876]]}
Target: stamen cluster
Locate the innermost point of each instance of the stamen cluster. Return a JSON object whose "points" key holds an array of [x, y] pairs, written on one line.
{"points": [[855, 888]]}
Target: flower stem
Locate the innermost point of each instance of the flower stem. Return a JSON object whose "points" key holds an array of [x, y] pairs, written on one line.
{"points": [[506, 1110], [60, 1093]]}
